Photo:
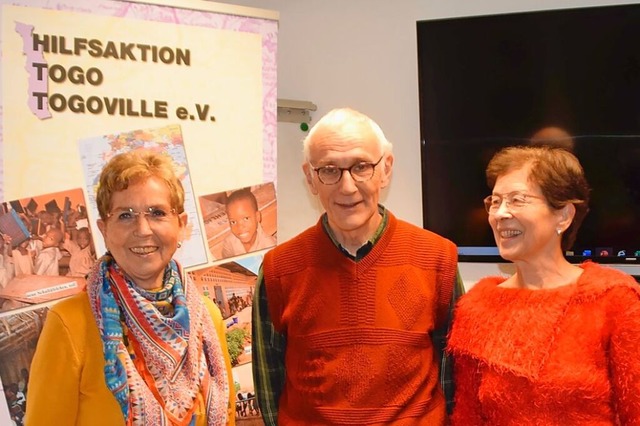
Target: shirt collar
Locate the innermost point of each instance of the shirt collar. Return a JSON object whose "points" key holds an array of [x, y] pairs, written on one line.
{"points": [[366, 247]]}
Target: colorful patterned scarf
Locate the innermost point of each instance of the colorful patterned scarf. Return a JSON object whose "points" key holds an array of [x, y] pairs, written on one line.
{"points": [[176, 357]]}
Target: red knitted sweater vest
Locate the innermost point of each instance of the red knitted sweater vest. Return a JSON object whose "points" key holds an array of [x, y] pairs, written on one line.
{"points": [[358, 344]]}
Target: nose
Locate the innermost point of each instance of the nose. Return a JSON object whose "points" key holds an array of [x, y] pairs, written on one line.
{"points": [[503, 210], [347, 183], [142, 225]]}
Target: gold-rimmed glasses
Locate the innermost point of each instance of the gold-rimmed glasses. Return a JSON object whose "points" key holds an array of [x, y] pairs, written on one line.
{"points": [[127, 217], [514, 201]]}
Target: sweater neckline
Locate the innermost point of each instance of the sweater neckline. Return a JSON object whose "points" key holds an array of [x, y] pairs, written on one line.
{"points": [[513, 329], [493, 284]]}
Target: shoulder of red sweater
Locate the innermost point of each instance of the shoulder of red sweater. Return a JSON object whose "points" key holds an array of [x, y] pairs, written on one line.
{"points": [[598, 279], [404, 226], [296, 253], [301, 238], [485, 284], [595, 281], [596, 269]]}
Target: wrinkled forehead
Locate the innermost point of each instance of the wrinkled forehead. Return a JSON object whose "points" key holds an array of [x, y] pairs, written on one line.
{"points": [[349, 137], [520, 176]]}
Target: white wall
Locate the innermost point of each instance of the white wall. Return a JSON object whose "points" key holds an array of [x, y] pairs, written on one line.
{"points": [[363, 54]]}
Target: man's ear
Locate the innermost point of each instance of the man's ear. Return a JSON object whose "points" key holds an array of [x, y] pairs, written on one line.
{"points": [[308, 174], [387, 167]]}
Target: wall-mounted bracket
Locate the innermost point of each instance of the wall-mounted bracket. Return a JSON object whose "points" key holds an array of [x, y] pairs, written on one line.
{"points": [[291, 111]]}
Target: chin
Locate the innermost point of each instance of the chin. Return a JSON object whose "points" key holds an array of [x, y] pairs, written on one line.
{"points": [[507, 255]]}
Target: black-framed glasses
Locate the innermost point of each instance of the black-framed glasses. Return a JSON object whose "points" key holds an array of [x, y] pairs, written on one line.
{"points": [[514, 201], [155, 215], [360, 172]]}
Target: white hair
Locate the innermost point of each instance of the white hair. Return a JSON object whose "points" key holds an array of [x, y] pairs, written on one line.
{"points": [[339, 116]]}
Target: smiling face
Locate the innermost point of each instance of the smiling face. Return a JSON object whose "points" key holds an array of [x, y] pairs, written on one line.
{"points": [[52, 238], [144, 247], [243, 220], [528, 233], [84, 238], [352, 207]]}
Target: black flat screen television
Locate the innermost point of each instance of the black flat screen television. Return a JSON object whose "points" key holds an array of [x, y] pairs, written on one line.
{"points": [[491, 81]]}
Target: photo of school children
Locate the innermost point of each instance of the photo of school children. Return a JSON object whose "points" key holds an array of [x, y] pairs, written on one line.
{"points": [[47, 248], [240, 221]]}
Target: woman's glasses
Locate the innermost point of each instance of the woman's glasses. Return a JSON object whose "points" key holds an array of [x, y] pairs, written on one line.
{"points": [[128, 217], [514, 201]]}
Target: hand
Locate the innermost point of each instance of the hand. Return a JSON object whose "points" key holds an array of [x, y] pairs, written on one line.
{"points": [[6, 238], [72, 217]]}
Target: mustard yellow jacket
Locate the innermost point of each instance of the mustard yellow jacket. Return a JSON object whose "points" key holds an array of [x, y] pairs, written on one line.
{"points": [[66, 381]]}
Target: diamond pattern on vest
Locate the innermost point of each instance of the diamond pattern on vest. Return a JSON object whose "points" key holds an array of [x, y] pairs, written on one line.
{"points": [[407, 300]]}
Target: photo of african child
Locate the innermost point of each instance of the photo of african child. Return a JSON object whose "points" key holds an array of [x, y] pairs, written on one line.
{"points": [[240, 221], [46, 248]]}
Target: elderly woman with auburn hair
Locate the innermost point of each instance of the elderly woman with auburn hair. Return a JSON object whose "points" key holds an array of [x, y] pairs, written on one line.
{"points": [[555, 343], [141, 346]]}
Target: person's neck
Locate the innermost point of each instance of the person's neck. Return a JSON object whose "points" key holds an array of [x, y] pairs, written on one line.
{"points": [[149, 285], [549, 273], [247, 246], [351, 241]]}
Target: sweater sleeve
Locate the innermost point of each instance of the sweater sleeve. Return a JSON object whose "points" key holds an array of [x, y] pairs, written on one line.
{"points": [[466, 410], [54, 380], [623, 362]]}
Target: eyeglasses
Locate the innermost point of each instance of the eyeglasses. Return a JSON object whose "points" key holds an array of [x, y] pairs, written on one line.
{"points": [[360, 172], [128, 217], [515, 201]]}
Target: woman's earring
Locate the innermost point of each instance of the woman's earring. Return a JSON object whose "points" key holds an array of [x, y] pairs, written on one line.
{"points": [[179, 244], [559, 231]]}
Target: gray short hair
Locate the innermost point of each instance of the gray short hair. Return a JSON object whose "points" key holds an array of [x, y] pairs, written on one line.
{"points": [[340, 116]]}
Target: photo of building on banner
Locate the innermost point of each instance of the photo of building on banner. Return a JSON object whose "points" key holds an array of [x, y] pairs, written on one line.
{"points": [[231, 287]]}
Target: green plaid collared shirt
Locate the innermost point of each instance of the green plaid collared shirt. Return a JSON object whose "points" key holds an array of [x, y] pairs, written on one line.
{"points": [[269, 346], [440, 345]]}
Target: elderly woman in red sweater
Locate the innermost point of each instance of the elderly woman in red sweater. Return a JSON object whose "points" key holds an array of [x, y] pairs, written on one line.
{"points": [[555, 343]]}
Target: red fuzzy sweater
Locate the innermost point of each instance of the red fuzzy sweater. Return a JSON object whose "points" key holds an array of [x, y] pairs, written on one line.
{"points": [[563, 356], [358, 345]]}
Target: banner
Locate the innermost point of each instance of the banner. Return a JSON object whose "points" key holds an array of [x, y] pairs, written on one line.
{"points": [[83, 81]]}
